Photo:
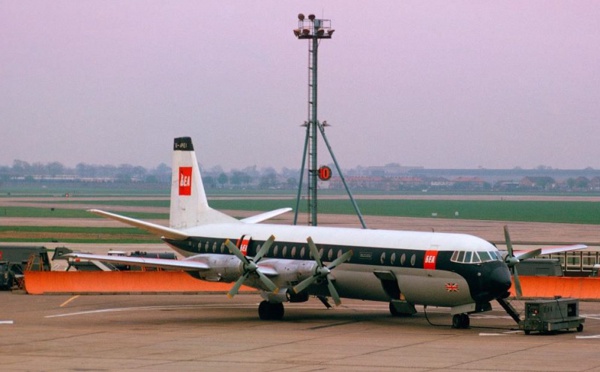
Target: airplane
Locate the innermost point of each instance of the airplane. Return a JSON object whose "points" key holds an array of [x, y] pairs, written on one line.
{"points": [[291, 263]]}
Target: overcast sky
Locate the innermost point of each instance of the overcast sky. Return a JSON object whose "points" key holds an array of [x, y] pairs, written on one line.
{"points": [[442, 84]]}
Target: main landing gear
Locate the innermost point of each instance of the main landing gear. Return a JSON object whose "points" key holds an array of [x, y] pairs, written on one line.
{"points": [[270, 310], [461, 321]]}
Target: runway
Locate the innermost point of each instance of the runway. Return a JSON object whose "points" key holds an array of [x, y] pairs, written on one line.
{"points": [[212, 332]]}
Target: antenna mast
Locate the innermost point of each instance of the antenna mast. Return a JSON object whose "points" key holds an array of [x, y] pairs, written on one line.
{"points": [[313, 29]]}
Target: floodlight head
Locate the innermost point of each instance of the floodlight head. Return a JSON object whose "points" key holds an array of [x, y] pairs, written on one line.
{"points": [[311, 17], [297, 32], [306, 31], [320, 32], [301, 17], [330, 32]]}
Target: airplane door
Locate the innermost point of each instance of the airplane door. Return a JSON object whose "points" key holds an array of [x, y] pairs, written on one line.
{"points": [[389, 283]]}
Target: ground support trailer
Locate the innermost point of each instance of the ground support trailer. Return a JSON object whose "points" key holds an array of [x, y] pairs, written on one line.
{"points": [[547, 316]]}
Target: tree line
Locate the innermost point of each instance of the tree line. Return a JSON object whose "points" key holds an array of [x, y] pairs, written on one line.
{"points": [[215, 177]]}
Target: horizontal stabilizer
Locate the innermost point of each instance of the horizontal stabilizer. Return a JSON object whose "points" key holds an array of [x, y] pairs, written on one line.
{"points": [[265, 216], [160, 263], [152, 228]]}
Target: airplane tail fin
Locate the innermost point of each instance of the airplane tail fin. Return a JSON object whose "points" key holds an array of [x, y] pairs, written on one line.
{"points": [[189, 206]]}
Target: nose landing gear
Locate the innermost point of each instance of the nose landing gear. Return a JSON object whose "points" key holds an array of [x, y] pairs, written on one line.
{"points": [[461, 321]]}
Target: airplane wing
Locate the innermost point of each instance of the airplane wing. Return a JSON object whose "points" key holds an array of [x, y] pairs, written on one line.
{"points": [[152, 228], [552, 250], [188, 264], [265, 216]]}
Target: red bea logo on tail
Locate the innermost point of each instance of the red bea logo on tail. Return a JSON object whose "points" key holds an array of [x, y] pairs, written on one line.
{"points": [[185, 181]]}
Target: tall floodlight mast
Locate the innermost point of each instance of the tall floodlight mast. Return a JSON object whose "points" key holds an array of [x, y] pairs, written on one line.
{"points": [[313, 30]]}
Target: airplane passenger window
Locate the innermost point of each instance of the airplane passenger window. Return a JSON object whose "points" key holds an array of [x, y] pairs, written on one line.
{"points": [[393, 258], [321, 253], [284, 252], [276, 251], [330, 254], [413, 260], [382, 258], [222, 247], [206, 246], [339, 254], [215, 247], [402, 259], [302, 252], [293, 251]]}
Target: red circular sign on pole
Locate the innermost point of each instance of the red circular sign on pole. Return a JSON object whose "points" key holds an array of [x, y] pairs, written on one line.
{"points": [[324, 173]]}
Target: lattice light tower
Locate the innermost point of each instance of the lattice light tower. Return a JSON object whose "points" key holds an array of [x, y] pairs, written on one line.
{"points": [[313, 29]]}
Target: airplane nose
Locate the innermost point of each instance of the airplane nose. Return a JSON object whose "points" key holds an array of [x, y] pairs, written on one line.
{"points": [[500, 280]]}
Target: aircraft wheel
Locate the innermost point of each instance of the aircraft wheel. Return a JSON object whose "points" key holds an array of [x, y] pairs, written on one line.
{"points": [[465, 321], [270, 311], [396, 313], [393, 310], [456, 321], [277, 311], [461, 321], [580, 328]]}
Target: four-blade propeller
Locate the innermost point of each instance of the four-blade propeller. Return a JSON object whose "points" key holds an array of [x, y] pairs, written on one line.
{"points": [[512, 260], [322, 272], [251, 267]]}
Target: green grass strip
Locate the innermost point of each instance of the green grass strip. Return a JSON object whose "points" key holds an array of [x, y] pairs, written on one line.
{"points": [[577, 212], [75, 230]]}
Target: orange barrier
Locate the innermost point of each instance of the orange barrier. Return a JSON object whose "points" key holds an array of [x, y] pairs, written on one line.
{"points": [[549, 286], [45, 282]]}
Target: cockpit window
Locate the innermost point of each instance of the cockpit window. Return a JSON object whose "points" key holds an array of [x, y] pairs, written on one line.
{"points": [[468, 256], [485, 256], [475, 257]]}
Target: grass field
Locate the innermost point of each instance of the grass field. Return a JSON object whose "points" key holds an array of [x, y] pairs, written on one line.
{"points": [[572, 212], [74, 234], [578, 212]]}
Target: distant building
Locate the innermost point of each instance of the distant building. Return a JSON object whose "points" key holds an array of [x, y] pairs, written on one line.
{"points": [[538, 183]]}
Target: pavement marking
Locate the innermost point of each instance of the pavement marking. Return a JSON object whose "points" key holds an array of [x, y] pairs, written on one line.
{"points": [[69, 300], [196, 306], [144, 308], [586, 337], [6, 322], [500, 334]]}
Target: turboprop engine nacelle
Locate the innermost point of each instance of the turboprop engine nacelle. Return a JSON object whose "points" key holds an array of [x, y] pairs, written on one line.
{"points": [[290, 271], [223, 268]]}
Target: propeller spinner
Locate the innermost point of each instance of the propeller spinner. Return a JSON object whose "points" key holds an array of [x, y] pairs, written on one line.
{"points": [[251, 267]]}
